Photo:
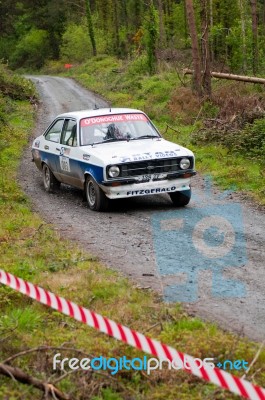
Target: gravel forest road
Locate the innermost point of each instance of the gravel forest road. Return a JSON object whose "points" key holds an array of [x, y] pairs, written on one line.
{"points": [[131, 236]]}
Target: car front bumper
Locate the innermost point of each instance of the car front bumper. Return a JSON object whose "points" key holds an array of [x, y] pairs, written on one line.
{"points": [[125, 190]]}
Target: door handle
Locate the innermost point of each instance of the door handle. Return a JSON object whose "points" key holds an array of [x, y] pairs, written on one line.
{"points": [[46, 147], [58, 149]]}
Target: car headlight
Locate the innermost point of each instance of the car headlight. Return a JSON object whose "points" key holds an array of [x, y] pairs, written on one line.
{"points": [[114, 171], [184, 163]]}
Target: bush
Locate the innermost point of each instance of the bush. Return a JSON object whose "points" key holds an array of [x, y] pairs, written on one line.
{"points": [[32, 50], [14, 86], [252, 139], [249, 141], [76, 46], [237, 121], [139, 65]]}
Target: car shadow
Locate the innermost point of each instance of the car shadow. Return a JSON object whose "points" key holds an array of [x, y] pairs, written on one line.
{"points": [[141, 203]]}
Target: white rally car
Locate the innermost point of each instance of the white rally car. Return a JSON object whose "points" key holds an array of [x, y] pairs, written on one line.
{"points": [[112, 154]]}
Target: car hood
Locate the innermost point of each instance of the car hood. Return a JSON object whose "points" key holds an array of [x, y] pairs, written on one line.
{"points": [[136, 150]]}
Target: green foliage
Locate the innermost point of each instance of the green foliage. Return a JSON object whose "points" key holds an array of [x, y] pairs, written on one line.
{"points": [[240, 48], [249, 141], [14, 86], [76, 46], [139, 65], [108, 394], [3, 108], [24, 320], [32, 50], [33, 33], [7, 45], [178, 35]]}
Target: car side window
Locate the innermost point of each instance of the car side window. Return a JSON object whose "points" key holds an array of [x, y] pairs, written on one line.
{"points": [[69, 134], [54, 133]]}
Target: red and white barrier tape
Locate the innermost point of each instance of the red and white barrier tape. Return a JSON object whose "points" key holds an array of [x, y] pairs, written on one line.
{"points": [[163, 352]]}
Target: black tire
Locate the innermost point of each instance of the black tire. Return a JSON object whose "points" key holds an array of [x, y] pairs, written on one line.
{"points": [[180, 199], [51, 184], [96, 198]]}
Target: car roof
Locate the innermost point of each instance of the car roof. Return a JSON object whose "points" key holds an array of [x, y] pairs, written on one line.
{"points": [[98, 112]]}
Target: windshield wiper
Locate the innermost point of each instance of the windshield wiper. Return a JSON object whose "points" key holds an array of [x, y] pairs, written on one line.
{"points": [[113, 140], [146, 137], [105, 141]]}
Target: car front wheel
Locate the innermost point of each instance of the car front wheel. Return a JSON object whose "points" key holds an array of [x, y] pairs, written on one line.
{"points": [[49, 180], [180, 199], [96, 198]]}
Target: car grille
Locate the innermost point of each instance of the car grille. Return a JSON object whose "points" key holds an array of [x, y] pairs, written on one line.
{"points": [[137, 168]]}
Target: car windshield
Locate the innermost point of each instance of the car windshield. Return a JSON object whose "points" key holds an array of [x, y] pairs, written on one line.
{"points": [[109, 128]]}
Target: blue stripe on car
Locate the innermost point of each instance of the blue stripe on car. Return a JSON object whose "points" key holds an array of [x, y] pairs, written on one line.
{"points": [[79, 168], [94, 170]]}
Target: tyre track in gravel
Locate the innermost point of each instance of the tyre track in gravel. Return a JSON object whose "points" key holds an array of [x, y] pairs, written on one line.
{"points": [[123, 239]]}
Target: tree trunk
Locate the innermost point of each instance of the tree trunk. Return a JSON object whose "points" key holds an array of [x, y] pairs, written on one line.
{"points": [[264, 14], [116, 27], [221, 75], [152, 35], [243, 32], [90, 28], [162, 41], [205, 49], [254, 16], [197, 78], [211, 27]]}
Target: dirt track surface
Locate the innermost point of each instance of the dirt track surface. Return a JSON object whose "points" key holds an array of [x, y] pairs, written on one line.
{"points": [[131, 237]]}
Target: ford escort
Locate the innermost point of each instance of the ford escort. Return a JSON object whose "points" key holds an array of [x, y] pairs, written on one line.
{"points": [[112, 154]]}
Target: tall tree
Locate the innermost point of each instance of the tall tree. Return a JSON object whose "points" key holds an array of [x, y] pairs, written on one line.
{"points": [[116, 27], [197, 78], [211, 26], [243, 33], [254, 16], [205, 48], [152, 35], [90, 27], [162, 38]]}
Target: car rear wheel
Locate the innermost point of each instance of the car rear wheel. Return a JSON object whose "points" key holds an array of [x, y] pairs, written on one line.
{"points": [[49, 180], [180, 199], [96, 198]]}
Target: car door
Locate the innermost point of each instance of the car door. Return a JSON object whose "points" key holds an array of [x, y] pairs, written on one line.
{"points": [[50, 146], [68, 160]]}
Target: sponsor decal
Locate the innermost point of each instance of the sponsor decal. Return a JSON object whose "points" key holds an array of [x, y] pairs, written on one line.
{"points": [[164, 154], [140, 157], [150, 191], [112, 118], [125, 159], [149, 156], [64, 163], [86, 157]]}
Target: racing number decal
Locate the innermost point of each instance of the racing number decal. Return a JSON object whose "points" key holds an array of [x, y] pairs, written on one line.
{"points": [[64, 163]]}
